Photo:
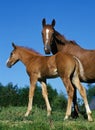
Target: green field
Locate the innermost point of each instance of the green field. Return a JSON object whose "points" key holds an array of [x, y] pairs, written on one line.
{"points": [[12, 118]]}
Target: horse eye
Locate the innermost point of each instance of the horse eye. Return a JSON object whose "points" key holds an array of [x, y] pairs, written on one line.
{"points": [[42, 33], [11, 53]]}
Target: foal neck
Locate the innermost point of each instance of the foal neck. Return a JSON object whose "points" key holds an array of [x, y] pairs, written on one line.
{"points": [[27, 54]]}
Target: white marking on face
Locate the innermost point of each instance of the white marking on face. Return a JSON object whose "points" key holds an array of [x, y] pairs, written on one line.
{"points": [[7, 61], [47, 35]]}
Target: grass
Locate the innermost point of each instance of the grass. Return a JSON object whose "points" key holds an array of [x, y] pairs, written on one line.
{"points": [[12, 118]]}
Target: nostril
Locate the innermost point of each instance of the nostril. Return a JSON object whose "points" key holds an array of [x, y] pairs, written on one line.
{"points": [[8, 65], [47, 52], [45, 48]]}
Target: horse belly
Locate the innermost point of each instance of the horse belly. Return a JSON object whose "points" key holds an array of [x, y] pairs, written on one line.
{"points": [[88, 75]]}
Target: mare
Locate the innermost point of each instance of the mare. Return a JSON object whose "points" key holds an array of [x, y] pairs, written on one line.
{"points": [[41, 67], [55, 42]]}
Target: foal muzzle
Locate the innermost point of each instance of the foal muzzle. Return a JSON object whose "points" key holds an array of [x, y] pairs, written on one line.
{"points": [[8, 65]]}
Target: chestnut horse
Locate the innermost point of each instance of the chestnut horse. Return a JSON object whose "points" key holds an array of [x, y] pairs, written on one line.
{"points": [[55, 42], [41, 67]]}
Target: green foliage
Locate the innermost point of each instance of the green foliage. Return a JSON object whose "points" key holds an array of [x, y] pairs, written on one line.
{"points": [[8, 95], [90, 92], [60, 102], [12, 95]]}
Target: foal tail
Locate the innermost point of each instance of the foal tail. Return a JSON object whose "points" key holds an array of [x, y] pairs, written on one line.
{"points": [[76, 82], [80, 68]]}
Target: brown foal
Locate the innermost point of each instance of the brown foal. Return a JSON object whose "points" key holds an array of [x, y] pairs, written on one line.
{"points": [[41, 67]]}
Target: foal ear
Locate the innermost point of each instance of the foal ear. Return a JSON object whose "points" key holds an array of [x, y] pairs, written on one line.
{"points": [[43, 22], [14, 46], [53, 23]]}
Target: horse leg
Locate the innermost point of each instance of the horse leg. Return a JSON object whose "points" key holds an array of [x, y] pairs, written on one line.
{"points": [[45, 96], [82, 91], [31, 94], [76, 109], [70, 92]]}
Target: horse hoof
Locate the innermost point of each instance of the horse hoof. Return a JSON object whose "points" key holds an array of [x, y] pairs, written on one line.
{"points": [[90, 119], [66, 118], [74, 115], [26, 114], [49, 114]]}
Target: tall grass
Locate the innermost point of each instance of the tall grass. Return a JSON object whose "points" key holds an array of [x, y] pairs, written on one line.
{"points": [[12, 118]]}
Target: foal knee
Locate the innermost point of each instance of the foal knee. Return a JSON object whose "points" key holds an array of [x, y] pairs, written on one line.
{"points": [[70, 92]]}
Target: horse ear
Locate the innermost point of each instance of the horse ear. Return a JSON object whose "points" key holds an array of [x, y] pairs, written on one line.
{"points": [[43, 22], [53, 23], [14, 46]]}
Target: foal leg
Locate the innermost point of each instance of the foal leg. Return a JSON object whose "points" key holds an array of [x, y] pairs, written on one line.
{"points": [[82, 91], [70, 92], [45, 96], [31, 94]]}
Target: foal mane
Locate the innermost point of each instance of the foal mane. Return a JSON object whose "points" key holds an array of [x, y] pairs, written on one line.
{"points": [[30, 50]]}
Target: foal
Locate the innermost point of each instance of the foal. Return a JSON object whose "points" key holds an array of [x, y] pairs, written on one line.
{"points": [[41, 67]]}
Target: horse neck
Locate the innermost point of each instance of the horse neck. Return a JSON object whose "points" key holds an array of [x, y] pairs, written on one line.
{"points": [[26, 55], [58, 42], [59, 38], [62, 44]]}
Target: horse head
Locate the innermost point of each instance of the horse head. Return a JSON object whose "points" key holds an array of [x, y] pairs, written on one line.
{"points": [[47, 35], [13, 57]]}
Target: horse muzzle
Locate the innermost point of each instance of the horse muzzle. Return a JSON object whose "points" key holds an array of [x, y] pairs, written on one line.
{"points": [[8, 65], [47, 49], [47, 52]]}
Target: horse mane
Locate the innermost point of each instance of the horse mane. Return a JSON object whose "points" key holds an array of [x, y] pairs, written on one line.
{"points": [[31, 50], [62, 40]]}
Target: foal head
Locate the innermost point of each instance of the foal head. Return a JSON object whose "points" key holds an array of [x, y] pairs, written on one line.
{"points": [[14, 58], [47, 35]]}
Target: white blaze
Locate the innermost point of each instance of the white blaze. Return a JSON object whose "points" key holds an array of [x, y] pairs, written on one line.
{"points": [[7, 61], [47, 35]]}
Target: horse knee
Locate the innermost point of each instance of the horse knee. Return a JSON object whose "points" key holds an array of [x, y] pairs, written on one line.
{"points": [[68, 85], [70, 92]]}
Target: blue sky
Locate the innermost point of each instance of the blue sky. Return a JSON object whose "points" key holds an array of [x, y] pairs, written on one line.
{"points": [[21, 22]]}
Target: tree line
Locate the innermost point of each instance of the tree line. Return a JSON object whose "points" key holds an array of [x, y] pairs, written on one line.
{"points": [[12, 95]]}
